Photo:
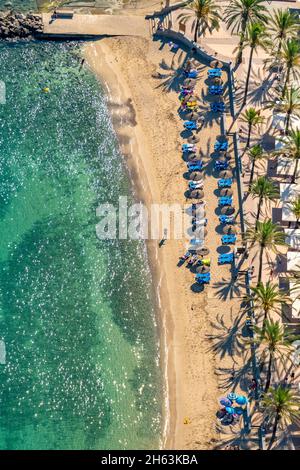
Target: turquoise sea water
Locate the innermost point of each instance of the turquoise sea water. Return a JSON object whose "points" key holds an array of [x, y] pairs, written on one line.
{"points": [[76, 313]]}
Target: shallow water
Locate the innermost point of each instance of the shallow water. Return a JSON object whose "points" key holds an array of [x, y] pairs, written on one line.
{"points": [[77, 314]]}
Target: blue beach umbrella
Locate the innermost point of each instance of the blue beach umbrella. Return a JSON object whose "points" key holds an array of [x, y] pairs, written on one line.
{"points": [[229, 410], [238, 410], [241, 400], [232, 396], [225, 402]]}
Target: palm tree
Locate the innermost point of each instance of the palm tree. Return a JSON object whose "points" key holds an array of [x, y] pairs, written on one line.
{"points": [[295, 208], [205, 17], [255, 154], [267, 298], [289, 104], [255, 37], [290, 56], [265, 190], [238, 15], [291, 149], [253, 118], [282, 25], [275, 341], [266, 236], [282, 406]]}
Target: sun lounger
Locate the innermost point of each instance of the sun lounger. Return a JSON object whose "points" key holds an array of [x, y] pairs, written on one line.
{"points": [[190, 125], [203, 278], [195, 166], [212, 73], [225, 183], [217, 107], [218, 165], [195, 185], [228, 239], [226, 219], [192, 74], [216, 89], [202, 222], [226, 258], [189, 148], [220, 145], [225, 201]]}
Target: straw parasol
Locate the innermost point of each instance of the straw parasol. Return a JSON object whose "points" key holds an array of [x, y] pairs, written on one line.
{"points": [[195, 176], [203, 269], [227, 210], [216, 64], [218, 81], [226, 192], [203, 251], [197, 194], [193, 116], [199, 213], [200, 231], [229, 229], [193, 139], [226, 174], [222, 158], [189, 82]]}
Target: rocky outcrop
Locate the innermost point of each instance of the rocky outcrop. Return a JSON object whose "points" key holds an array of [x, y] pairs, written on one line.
{"points": [[17, 25]]}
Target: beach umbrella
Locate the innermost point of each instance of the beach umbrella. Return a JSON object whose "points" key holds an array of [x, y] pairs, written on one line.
{"points": [[222, 138], [203, 251], [218, 81], [189, 82], [195, 176], [227, 210], [222, 158], [199, 213], [221, 413], [232, 396], [197, 194], [222, 153], [226, 174], [238, 410], [203, 269], [225, 401], [200, 231], [241, 400], [229, 410], [229, 229], [216, 64], [193, 139], [192, 116], [192, 156], [226, 192]]}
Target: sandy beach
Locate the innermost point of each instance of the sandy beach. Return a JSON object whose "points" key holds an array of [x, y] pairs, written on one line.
{"points": [[194, 325]]}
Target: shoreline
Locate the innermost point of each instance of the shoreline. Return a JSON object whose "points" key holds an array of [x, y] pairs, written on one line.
{"points": [[117, 92], [150, 141]]}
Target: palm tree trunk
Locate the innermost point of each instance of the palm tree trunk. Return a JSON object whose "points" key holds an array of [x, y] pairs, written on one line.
{"points": [[274, 431], [252, 173], [249, 136], [295, 171], [287, 124], [269, 373], [258, 212], [260, 264], [196, 31], [286, 81], [248, 77], [242, 39]]}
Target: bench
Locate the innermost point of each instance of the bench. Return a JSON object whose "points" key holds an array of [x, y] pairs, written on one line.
{"points": [[64, 14]]}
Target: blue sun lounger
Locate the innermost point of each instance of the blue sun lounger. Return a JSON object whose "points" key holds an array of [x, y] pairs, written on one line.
{"points": [[212, 73], [220, 145], [221, 165], [188, 147], [203, 278], [217, 107], [226, 219], [225, 201], [226, 258], [225, 183], [190, 125], [228, 239], [195, 166], [216, 89], [191, 74]]}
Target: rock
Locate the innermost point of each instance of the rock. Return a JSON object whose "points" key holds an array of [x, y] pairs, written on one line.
{"points": [[20, 26]]}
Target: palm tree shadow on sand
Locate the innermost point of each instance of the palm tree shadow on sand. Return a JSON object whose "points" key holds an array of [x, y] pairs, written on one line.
{"points": [[227, 341], [261, 88], [229, 288], [233, 379]]}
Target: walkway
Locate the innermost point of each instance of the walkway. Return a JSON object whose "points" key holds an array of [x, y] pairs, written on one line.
{"points": [[87, 26]]}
